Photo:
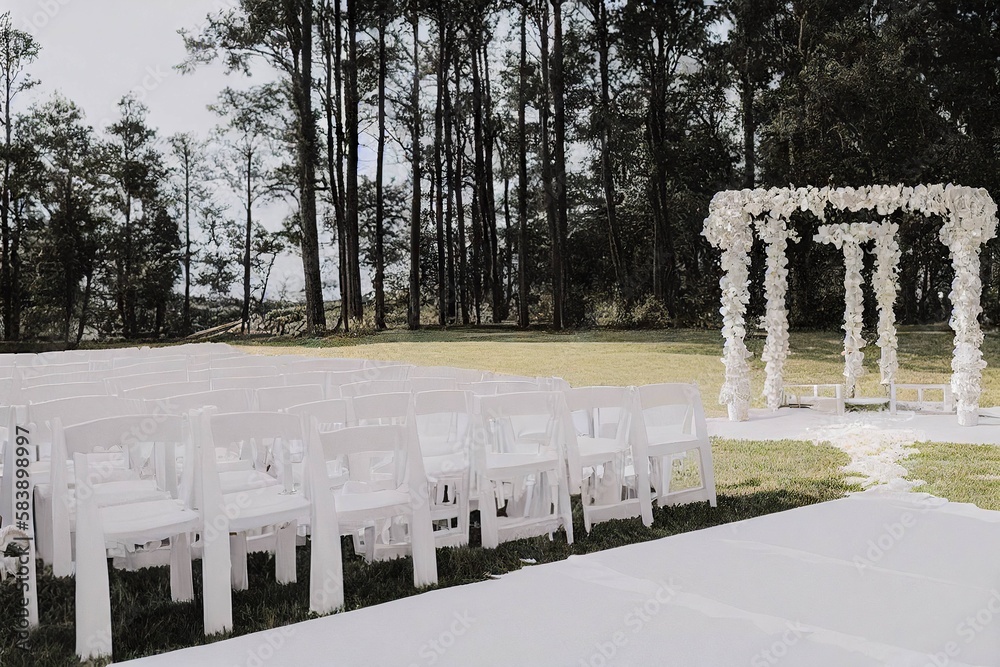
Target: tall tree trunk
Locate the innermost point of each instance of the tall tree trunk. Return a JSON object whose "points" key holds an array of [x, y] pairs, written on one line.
{"points": [[438, 174], [85, 306], [522, 177], [482, 257], [334, 134], [413, 312], [379, 281], [315, 313], [749, 130], [355, 307], [499, 303], [555, 256], [463, 280], [559, 161], [187, 242], [247, 241], [449, 119], [600, 12]]}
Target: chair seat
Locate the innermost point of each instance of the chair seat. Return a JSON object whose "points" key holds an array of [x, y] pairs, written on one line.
{"points": [[234, 481], [368, 503], [272, 502], [450, 465], [520, 462], [147, 521], [112, 493], [664, 441], [594, 451]]}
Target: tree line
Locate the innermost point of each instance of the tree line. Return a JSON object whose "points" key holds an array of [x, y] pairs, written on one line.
{"points": [[542, 162]]}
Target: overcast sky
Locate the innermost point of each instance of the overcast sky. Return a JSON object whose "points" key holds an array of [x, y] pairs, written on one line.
{"points": [[96, 51]]}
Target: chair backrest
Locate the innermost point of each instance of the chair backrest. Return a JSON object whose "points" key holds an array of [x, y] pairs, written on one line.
{"points": [[62, 378], [167, 389], [360, 446], [75, 410], [432, 383], [51, 392], [387, 408], [510, 417], [278, 398], [47, 366], [225, 400], [494, 387], [123, 383], [307, 377], [329, 414], [459, 374], [160, 365], [257, 382], [123, 431], [601, 412], [672, 407], [264, 437], [374, 387], [381, 370], [324, 364], [444, 420], [247, 360], [341, 378], [242, 371]]}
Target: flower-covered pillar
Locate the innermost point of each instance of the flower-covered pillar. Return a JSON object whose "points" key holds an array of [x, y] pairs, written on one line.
{"points": [[886, 286], [728, 228], [970, 222], [773, 230], [848, 238]]}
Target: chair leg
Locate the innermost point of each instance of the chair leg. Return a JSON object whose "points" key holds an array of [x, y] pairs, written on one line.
{"points": [[181, 578], [708, 473], [488, 515], [565, 508], [284, 553], [238, 558]]}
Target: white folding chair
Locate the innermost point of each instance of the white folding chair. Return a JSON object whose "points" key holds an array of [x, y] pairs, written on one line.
{"points": [[257, 382], [381, 408], [128, 434], [362, 505], [324, 364], [495, 387], [143, 367], [122, 383], [167, 389], [62, 378], [53, 392], [330, 414], [444, 421], [669, 422], [123, 527], [418, 384], [522, 472], [277, 510], [457, 374], [374, 387], [248, 360], [615, 480], [272, 399], [242, 372]]}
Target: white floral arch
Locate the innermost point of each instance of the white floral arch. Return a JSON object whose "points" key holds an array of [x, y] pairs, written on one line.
{"points": [[970, 220]]}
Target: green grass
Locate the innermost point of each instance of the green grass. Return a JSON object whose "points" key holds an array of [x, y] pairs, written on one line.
{"points": [[752, 478], [644, 357]]}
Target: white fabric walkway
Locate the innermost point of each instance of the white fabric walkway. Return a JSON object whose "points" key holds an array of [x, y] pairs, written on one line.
{"points": [[874, 579]]}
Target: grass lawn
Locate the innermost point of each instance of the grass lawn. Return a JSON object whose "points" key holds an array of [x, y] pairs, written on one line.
{"points": [[753, 478], [645, 357]]}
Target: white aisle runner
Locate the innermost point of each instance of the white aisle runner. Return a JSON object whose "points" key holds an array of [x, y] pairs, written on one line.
{"points": [[873, 579]]}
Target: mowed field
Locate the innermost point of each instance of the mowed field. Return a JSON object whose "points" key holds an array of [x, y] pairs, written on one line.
{"points": [[645, 357]]}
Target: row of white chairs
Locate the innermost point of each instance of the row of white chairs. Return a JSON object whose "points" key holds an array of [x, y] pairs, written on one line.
{"points": [[516, 448]]}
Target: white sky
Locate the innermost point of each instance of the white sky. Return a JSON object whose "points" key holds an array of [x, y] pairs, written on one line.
{"points": [[96, 51]]}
